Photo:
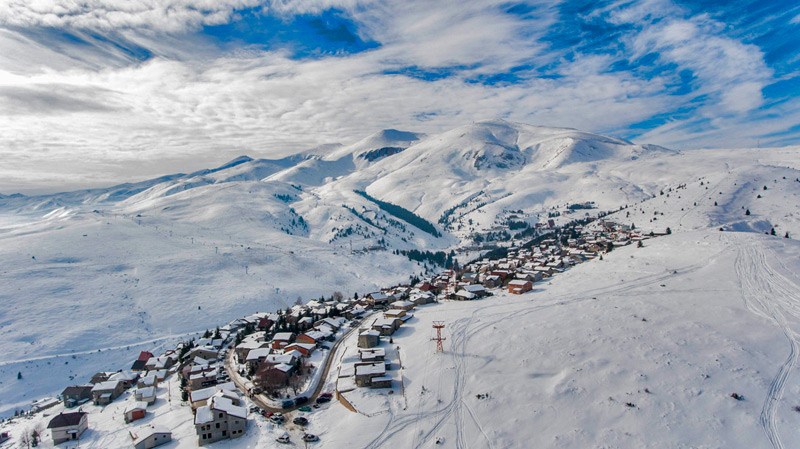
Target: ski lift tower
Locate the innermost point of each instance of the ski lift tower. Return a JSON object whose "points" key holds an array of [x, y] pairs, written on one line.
{"points": [[439, 325]]}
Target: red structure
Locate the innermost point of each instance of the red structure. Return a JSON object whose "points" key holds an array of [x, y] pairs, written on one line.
{"points": [[439, 325]]}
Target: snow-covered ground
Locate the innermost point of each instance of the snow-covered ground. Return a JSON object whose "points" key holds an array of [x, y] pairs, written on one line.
{"points": [[91, 278], [642, 349]]}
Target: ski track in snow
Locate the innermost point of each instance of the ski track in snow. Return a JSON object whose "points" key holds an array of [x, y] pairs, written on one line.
{"points": [[771, 295], [462, 331]]}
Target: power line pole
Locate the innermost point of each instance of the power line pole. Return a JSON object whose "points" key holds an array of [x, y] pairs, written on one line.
{"points": [[439, 325]]}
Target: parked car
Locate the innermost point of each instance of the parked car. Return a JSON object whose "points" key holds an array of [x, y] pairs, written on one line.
{"points": [[288, 403], [305, 408], [310, 438], [300, 400], [326, 395], [255, 409], [300, 421], [277, 418], [323, 400], [284, 439]]}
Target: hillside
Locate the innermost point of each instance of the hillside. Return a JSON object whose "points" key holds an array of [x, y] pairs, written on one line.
{"points": [[154, 260]]}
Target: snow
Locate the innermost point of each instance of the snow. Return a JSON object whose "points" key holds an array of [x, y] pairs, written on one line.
{"points": [[92, 278]]}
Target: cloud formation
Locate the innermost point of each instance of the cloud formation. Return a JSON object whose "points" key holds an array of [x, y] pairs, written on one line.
{"points": [[102, 91]]}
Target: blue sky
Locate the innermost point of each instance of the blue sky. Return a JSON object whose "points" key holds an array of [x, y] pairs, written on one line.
{"points": [[103, 90]]}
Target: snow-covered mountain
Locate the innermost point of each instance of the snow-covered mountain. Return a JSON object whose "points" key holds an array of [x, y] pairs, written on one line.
{"points": [[138, 263]]}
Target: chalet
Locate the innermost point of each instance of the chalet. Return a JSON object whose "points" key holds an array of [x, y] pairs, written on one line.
{"points": [[204, 352], [203, 379], [76, 395], [274, 376], [373, 375], [333, 323], [256, 356], [281, 340], [127, 378], [141, 361], [310, 337], [519, 286], [368, 338], [200, 397], [462, 295], [372, 355], [244, 348], [68, 426], [150, 437], [386, 326], [134, 411], [223, 418], [100, 377], [146, 394], [161, 362], [149, 380], [105, 392], [303, 348], [402, 305], [379, 299], [492, 281], [160, 374], [476, 289], [394, 313]]}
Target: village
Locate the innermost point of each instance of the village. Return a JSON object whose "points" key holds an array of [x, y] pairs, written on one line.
{"points": [[272, 366]]}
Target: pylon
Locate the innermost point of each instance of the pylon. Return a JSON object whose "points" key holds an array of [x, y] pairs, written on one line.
{"points": [[439, 325]]}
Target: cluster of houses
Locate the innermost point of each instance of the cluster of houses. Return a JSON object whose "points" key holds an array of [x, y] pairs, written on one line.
{"points": [[522, 267], [105, 387]]}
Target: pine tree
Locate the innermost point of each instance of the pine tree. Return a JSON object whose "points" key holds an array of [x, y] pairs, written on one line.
{"points": [[19, 375], [747, 212], [772, 231]]}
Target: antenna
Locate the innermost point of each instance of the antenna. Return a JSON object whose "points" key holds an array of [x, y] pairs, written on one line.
{"points": [[439, 325]]}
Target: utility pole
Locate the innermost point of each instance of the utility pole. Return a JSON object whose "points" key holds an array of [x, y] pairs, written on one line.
{"points": [[439, 325]]}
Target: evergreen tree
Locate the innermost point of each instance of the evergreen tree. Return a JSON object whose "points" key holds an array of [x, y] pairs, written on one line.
{"points": [[19, 375], [772, 231], [747, 212]]}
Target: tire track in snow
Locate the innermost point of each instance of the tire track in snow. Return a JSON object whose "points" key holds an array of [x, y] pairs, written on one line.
{"points": [[770, 295]]}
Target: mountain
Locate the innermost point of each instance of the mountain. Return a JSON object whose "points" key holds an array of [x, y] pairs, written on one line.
{"points": [[184, 252]]}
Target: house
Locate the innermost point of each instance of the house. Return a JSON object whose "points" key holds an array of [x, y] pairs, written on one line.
{"points": [[244, 348], [203, 379], [150, 437], [333, 323], [402, 305], [135, 411], [394, 313], [519, 286], [311, 337], [100, 377], [368, 338], [372, 355], [141, 361], [146, 394], [105, 392], [256, 356], [303, 348], [68, 426], [76, 395], [463, 295], [476, 289], [222, 418], [200, 397], [150, 380], [281, 340], [379, 299], [386, 326], [492, 281], [274, 376], [127, 378], [204, 352], [373, 375]]}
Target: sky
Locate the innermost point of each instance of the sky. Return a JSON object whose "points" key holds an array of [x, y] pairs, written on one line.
{"points": [[103, 91]]}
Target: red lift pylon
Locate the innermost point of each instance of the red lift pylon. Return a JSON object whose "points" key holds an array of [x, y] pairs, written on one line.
{"points": [[439, 325]]}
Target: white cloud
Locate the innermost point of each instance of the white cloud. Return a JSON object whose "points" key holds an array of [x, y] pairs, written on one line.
{"points": [[162, 15]]}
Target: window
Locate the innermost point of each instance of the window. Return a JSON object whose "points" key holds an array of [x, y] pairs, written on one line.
{"points": [[224, 433], [220, 415]]}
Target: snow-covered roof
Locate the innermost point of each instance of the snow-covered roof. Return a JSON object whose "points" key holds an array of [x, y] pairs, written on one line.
{"points": [[138, 405], [371, 369], [258, 353], [282, 336], [107, 385], [144, 433]]}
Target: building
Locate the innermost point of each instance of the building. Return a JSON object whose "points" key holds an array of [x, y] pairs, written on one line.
{"points": [[68, 426], [76, 395], [141, 361], [135, 411], [281, 340], [372, 355], [368, 338], [105, 392], [146, 394], [150, 437], [303, 348], [223, 418], [519, 286], [373, 375]]}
